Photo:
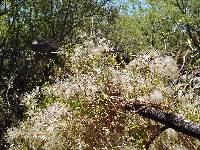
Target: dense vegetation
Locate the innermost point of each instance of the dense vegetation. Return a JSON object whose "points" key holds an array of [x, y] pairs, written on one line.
{"points": [[99, 74]]}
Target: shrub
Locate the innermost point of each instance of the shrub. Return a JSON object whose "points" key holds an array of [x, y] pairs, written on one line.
{"points": [[85, 110]]}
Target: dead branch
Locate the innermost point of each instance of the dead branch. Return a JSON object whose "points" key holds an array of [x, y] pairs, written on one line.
{"points": [[168, 119]]}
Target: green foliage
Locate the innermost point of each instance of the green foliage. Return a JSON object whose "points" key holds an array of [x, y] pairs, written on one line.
{"points": [[164, 25], [71, 87]]}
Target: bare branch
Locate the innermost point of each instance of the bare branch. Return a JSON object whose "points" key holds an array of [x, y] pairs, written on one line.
{"points": [[168, 119]]}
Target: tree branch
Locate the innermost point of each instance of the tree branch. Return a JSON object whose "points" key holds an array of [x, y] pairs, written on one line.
{"points": [[152, 138], [168, 119]]}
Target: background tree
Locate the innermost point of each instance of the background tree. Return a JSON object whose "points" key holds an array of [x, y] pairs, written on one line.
{"points": [[168, 26]]}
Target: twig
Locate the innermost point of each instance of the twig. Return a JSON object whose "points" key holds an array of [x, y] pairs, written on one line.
{"points": [[152, 138], [7, 91]]}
